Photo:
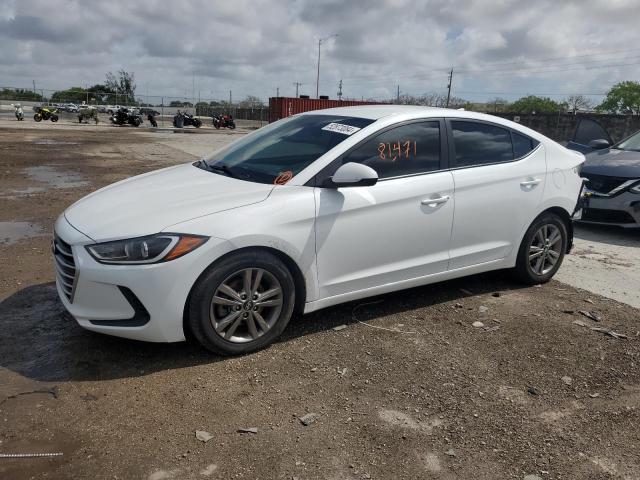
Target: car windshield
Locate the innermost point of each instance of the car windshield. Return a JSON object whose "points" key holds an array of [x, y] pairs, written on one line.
{"points": [[632, 143], [276, 153]]}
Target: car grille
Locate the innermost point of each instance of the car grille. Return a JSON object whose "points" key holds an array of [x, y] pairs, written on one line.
{"points": [[603, 215], [65, 267], [603, 183]]}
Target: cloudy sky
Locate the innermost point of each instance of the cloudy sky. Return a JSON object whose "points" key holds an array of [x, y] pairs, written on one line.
{"points": [[498, 48]]}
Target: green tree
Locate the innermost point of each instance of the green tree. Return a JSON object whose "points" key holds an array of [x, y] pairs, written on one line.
{"points": [[533, 104], [123, 84], [20, 94], [70, 95], [624, 97]]}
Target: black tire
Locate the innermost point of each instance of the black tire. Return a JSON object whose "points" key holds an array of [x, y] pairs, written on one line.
{"points": [[232, 126], [54, 118], [216, 124], [200, 302], [524, 271], [197, 123], [37, 117], [136, 122]]}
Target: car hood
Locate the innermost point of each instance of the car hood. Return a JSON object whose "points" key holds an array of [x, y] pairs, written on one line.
{"points": [[613, 163], [154, 201]]}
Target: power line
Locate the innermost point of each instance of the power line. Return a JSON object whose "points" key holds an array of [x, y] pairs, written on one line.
{"points": [[532, 69]]}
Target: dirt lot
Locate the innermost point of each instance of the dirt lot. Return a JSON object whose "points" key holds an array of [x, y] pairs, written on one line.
{"points": [[409, 389]]}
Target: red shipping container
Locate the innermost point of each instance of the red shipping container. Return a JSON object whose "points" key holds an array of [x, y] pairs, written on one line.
{"points": [[282, 107]]}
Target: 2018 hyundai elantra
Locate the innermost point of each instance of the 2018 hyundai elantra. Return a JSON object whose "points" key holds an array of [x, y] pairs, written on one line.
{"points": [[311, 211]]}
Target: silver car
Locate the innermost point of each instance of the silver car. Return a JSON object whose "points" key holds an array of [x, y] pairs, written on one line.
{"points": [[612, 189]]}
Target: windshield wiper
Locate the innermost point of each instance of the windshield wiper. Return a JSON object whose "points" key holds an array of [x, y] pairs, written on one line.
{"points": [[202, 163], [222, 168]]}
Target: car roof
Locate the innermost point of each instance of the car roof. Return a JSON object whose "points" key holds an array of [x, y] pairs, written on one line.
{"points": [[375, 112], [389, 113]]}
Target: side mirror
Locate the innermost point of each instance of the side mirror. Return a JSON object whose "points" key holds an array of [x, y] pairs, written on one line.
{"points": [[599, 144], [353, 175]]}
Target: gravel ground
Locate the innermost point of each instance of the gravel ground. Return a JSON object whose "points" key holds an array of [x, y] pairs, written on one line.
{"points": [[396, 386]]}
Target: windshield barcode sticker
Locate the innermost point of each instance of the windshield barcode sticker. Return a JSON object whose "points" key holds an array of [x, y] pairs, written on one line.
{"points": [[341, 128]]}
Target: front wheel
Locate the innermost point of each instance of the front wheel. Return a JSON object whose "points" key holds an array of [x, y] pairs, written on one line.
{"points": [[232, 125], [542, 249], [197, 123], [37, 117], [54, 118], [242, 304], [216, 124]]}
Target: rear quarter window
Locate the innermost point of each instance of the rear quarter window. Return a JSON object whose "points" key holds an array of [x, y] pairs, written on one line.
{"points": [[522, 145]]}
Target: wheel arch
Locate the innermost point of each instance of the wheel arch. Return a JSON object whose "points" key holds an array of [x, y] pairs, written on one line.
{"points": [[292, 266], [566, 218]]}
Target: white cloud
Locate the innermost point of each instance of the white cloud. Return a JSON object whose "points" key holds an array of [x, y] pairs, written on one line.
{"points": [[504, 46]]}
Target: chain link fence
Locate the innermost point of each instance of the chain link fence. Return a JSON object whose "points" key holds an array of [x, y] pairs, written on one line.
{"points": [[106, 102]]}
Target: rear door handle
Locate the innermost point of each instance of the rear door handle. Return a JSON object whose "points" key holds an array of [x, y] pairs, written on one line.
{"points": [[530, 183], [433, 202]]}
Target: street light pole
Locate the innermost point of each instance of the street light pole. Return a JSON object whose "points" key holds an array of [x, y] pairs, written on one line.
{"points": [[320, 40]]}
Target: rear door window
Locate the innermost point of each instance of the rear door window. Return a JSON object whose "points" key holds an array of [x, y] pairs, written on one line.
{"points": [[478, 143]]}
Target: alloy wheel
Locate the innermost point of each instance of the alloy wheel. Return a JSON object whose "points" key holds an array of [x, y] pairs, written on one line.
{"points": [[545, 249], [246, 305]]}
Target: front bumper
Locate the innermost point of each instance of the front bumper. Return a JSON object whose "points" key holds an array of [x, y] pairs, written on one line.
{"points": [[141, 302], [621, 210]]}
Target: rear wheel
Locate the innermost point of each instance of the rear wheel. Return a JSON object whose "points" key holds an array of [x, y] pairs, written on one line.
{"points": [[54, 118], [542, 249], [242, 304], [197, 123]]}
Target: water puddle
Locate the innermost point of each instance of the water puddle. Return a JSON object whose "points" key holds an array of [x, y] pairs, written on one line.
{"points": [[55, 178], [13, 232]]}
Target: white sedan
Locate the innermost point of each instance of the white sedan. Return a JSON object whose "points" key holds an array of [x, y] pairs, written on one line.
{"points": [[311, 211]]}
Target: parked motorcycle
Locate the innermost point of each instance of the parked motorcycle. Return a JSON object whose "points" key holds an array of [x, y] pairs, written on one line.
{"points": [[19, 112], [45, 113], [224, 121], [152, 119], [123, 116], [183, 119]]}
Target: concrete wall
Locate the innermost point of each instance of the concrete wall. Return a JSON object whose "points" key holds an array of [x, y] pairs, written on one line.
{"points": [[561, 127]]}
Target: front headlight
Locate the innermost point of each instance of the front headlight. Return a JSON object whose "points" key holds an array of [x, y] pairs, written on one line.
{"points": [[161, 247]]}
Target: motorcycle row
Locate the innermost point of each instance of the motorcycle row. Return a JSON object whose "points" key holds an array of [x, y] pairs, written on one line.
{"points": [[184, 119], [126, 116]]}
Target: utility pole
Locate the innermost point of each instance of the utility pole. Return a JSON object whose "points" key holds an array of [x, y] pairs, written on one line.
{"points": [[34, 87], [340, 90], [230, 102], [298, 85], [449, 87], [398, 95], [277, 92], [320, 40]]}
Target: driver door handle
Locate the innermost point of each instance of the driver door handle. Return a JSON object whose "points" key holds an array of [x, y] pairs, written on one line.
{"points": [[530, 183], [433, 202]]}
